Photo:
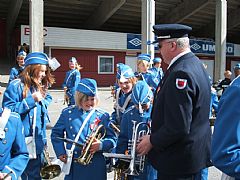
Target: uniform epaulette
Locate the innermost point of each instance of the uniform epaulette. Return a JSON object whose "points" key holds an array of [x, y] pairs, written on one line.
{"points": [[234, 80], [14, 114], [150, 72], [100, 111], [129, 109], [15, 81], [68, 108]]}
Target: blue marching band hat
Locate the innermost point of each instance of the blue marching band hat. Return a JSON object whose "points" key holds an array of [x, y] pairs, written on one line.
{"points": [[87, 86], [157, 60], [124, 72], [118, 65], [170, 31], [22, 53], [36, 58], [73, 60], [237, 66], [141, 94], [145, 57]]}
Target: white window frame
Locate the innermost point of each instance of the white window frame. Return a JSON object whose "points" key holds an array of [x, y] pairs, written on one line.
{"points": [[99, 57]]}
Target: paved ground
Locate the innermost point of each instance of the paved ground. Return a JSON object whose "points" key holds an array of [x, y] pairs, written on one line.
{"points": [[106, 103]]}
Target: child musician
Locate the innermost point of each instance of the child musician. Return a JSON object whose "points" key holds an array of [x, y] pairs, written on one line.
{"points": [[71, 80], [138, 113], [16, 71], [13, 150], [126, 80], [143, 64], [78, 122], [156, 69], [29, 97]]}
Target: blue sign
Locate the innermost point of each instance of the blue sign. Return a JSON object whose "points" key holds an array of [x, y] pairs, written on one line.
{"points": [[197, 46], [134, 41], [208, 47]]}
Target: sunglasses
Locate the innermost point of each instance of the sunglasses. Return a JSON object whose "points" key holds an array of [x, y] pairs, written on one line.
{"points": [[160, 44]]}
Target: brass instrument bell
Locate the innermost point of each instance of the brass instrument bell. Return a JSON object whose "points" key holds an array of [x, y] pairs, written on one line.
{"points": [[49, 171]]}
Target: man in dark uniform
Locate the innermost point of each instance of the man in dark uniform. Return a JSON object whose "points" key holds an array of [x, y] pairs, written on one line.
{"points": [[179, 145]]}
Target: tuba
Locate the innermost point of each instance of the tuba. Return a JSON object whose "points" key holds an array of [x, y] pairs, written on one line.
{"points": [[86, 156], [136, 134], [49, 170]]}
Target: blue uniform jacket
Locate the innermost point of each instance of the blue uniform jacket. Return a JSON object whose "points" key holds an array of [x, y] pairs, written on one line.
{"points": [[132, 113], [213, 103], [157, 72], [226, 138], [13, 99], [181, 133], [13, 150], [71, 82], [70, 122], [150, 79], [14, 73], [118, 107]]}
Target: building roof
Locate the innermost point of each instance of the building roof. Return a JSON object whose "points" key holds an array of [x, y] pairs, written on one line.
{"points": [[125, 15]]}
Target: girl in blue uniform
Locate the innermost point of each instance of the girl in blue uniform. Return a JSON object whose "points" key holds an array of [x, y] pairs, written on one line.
{"points": [[225, 148], [126, 81], [71, 80], [13, 150], [77, 122], [139, 112], [156, 69], [143, 64], [29, 97], [15, 71]]}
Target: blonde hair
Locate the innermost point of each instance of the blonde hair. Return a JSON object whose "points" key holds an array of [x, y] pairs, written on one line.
{"points": [[28, 77], [145, 64], [80, 98]]}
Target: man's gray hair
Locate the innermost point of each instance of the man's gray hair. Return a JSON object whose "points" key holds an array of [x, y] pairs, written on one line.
{"points": [[182, 43]]}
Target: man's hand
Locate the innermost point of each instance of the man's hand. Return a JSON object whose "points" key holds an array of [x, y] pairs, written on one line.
{"points": [[144, 146]]}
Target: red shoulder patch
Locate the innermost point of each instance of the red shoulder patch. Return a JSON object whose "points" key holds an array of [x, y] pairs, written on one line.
{"points": [[181, 83]]}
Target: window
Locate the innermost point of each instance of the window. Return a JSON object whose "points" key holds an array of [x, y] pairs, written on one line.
{"points": [[105, 65]]}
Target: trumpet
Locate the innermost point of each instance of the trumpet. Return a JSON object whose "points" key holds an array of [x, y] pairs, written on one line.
{"points": [[86, 156], [49, 170], [132, 170]]}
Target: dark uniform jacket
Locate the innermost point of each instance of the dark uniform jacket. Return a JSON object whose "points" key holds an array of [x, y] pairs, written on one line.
{"points": [[180, 125]]}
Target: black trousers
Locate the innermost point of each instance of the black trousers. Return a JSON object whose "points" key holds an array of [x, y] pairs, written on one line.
{"points": [[171, 177]]}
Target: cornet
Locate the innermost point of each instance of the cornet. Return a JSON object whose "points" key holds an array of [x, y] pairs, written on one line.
{"points": [[49, 171], [135, 136], [86, 155], [132, 158]]}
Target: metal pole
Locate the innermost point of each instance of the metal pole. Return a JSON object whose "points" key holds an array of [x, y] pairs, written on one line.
{"points": [[220, 39], [36, 25]]}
